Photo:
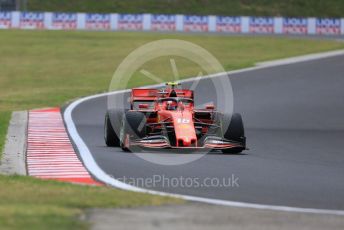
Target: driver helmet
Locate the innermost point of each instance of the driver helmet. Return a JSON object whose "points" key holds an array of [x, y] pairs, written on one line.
{"points": [[171, 105]]}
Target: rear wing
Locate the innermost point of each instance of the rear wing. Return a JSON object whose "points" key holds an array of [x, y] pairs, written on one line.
{"points": [[143, 95], [150, 95], [185, 93]]}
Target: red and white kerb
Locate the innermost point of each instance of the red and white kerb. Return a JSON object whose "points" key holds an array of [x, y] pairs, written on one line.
{"points": [[50, 154]]}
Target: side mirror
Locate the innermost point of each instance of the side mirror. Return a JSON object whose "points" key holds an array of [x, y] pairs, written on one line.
{"points": [[143, 106], [210, 107]]}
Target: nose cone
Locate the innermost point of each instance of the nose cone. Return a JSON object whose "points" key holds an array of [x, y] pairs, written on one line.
{"points": [[186, 142], [187, 139], [184, 129]]}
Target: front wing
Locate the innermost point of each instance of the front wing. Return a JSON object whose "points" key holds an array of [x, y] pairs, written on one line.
{"points": [[211, 142]]}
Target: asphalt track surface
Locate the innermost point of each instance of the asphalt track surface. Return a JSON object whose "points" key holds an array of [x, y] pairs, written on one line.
{"points": [[294, 119]]}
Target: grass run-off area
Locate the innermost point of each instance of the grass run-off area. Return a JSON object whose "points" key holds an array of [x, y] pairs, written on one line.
{"points": [[28, 203], [49, 68]]}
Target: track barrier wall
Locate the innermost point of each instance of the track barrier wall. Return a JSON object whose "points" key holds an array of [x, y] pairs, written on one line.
{"points": [[171, 23]]}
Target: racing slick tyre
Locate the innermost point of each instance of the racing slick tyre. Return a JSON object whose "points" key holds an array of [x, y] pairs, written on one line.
{"points": [[110, 136], [235, 132], [133, 125]]}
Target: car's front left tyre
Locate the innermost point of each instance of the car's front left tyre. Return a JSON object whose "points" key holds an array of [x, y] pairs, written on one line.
{"points": [[234, 131]]}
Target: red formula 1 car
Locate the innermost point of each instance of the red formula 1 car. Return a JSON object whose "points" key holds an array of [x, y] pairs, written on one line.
{"points": [[167, 119]]}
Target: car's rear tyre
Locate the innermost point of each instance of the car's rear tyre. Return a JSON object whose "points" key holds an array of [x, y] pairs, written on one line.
{"points": [[110, 136], [234, 132], [133, 126]]}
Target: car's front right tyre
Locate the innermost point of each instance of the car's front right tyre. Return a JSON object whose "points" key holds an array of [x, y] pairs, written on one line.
{"points": [[133, 124], [110, 136]]}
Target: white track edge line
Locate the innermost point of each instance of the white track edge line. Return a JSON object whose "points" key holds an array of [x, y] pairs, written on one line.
{"points": [[98, 173]]}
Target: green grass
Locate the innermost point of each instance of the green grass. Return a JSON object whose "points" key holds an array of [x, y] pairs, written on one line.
{"points": [[300, 8], [48, 68], [28, 203], [4, 120]]}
